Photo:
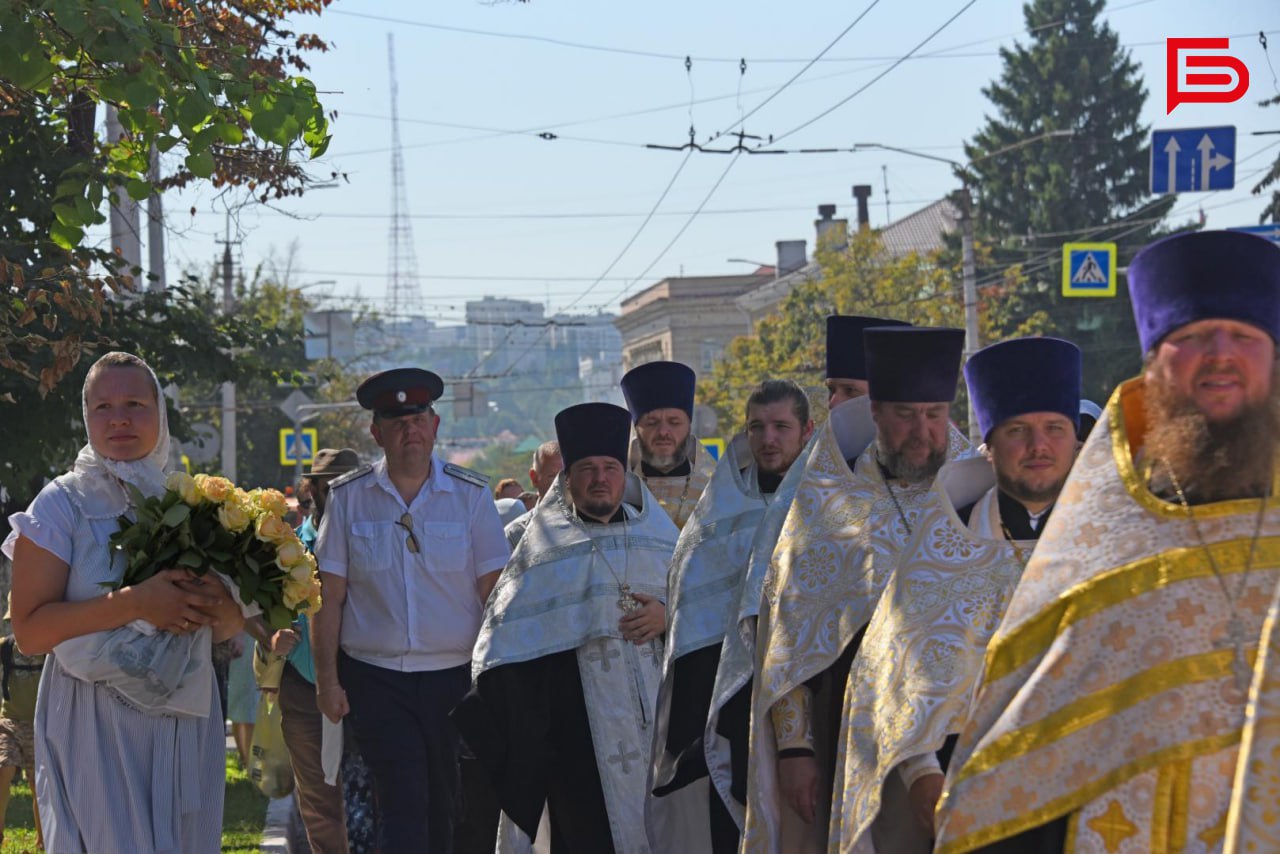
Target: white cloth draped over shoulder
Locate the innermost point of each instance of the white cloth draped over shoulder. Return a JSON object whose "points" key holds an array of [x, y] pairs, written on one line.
{"points": [[559, 592], [705, 583], [914, 675]]}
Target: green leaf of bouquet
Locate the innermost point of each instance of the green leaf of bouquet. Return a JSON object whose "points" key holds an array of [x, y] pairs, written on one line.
{"points": [[176, 515], [191, 560], [279, 617]]}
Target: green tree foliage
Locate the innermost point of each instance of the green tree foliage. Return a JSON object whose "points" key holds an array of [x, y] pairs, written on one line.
{"points": [[1271, 179], [1070, 76], [860, 279], [177, 332], [211, 82]]}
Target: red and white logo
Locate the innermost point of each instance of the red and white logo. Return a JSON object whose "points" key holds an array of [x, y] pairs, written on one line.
{"points": [[1201, 71]]}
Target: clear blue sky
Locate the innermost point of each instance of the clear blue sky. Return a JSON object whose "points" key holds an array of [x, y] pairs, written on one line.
{"points": [[466, 187]]}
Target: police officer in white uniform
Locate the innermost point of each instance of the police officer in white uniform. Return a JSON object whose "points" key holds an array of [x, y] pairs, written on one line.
{"points": [[409, 549]]}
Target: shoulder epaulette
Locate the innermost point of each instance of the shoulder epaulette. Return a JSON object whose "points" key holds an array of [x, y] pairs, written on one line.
{"points": [[472, 477], [354, 474]]}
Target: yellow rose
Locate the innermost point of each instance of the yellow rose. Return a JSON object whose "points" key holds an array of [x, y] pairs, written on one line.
{"points": [[272, 529], [302, 573], [234, 517], [294, 594], [271, 501], [289, 554], [186, 487], [216, 489]]}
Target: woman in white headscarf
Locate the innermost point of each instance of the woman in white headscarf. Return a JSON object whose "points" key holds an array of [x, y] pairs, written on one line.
{"points": [[111, 775]]}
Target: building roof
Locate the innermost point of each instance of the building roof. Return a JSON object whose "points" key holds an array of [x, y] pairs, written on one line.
{"points": [[921, 232]]}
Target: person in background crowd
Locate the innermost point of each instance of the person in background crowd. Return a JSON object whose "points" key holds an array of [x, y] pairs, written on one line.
{"points": [[665, 454], [409, 550], [330, 813], [19, 679], [508, 487], [547, 463]]}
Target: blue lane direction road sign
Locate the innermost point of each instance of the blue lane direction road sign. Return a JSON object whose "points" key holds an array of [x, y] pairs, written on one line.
{"points": [[1088, 269], [1193, 160], [290, 450], [1270, 232]]}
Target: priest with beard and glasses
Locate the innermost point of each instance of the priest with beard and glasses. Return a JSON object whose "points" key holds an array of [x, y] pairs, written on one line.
{"points": [[838, 549], [910, 683], [567, 664], [1113, 698], [664, 453], [706, 577]]}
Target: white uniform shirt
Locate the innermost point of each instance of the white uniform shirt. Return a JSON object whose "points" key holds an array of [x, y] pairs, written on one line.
{"points": [[407, 611]]}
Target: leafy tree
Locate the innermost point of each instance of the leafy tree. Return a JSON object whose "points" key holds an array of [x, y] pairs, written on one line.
{"points": [[861, 279], [1073, 78], [212, 82]]}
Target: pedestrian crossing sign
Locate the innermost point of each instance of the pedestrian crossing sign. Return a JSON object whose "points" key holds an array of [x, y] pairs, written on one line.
{"points": [[714, 447], [1088, 269], [291, 448]]}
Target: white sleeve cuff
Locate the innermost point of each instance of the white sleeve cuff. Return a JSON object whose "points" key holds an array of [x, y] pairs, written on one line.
{"points": [[915, 767]]}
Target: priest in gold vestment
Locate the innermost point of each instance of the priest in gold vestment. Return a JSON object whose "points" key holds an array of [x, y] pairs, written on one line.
{"points": [[1110, 711], [855, 506], [664, 452], [912, 679]]}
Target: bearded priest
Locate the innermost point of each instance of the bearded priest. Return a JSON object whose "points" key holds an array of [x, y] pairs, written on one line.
{"points": [[1113, 698], [567, 664]]}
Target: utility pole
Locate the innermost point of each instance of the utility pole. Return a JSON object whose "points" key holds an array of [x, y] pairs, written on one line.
{"points": [[969, 269], [228, 388], [155, 229]]}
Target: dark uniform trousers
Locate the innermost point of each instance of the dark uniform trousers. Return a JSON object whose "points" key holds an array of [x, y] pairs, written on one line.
{"points": [[402, 727]]}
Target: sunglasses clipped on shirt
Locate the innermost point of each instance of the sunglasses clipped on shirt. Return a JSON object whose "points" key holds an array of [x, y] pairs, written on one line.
{"points": [[406, 522]]}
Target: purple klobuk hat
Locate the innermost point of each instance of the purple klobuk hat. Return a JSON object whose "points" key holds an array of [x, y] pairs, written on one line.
{"points": [[846, 356], [1203, 275], [913, 364], [658, 385], [1024, 375], [593, 430]]}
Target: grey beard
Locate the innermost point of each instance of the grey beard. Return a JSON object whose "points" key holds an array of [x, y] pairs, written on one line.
{"points": [[662, 463], [900, 468]]}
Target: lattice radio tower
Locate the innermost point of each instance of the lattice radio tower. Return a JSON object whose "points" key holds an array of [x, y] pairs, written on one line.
{"points": [[404, 297]]}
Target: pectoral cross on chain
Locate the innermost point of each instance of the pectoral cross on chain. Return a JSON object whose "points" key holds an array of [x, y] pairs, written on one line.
{"points": [[1237, 635], [626, 602]]}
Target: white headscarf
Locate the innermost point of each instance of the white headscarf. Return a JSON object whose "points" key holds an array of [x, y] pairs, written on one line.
{"points": [[96, 480]]}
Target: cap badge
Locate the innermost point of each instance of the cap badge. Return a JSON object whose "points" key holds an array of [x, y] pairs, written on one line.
{"points": [[401, 397]]}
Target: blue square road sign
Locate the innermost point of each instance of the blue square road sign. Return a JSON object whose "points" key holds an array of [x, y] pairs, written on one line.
{"points": [[1193, 160]]}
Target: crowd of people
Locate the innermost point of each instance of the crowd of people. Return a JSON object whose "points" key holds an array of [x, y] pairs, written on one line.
{"points": [[865, 635]]}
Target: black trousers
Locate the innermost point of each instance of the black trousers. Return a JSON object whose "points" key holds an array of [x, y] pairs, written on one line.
{"points": [[402, 727]]}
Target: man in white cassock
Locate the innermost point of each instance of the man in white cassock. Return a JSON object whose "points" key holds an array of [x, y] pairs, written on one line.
{"points": [[567, 665]]}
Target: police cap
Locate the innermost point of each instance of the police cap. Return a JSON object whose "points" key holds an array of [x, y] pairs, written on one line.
{"points": [[400, 391]]}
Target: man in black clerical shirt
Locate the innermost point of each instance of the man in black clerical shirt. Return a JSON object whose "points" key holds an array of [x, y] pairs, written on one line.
{"points": [[1026, 395]]}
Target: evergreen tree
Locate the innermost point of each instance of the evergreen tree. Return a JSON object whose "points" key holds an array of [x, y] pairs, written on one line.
{"points": [[1271, 179], [1088, 184]]}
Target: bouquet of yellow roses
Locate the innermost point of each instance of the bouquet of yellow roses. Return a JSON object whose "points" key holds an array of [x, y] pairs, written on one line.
{"points": [[206, 523]]}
